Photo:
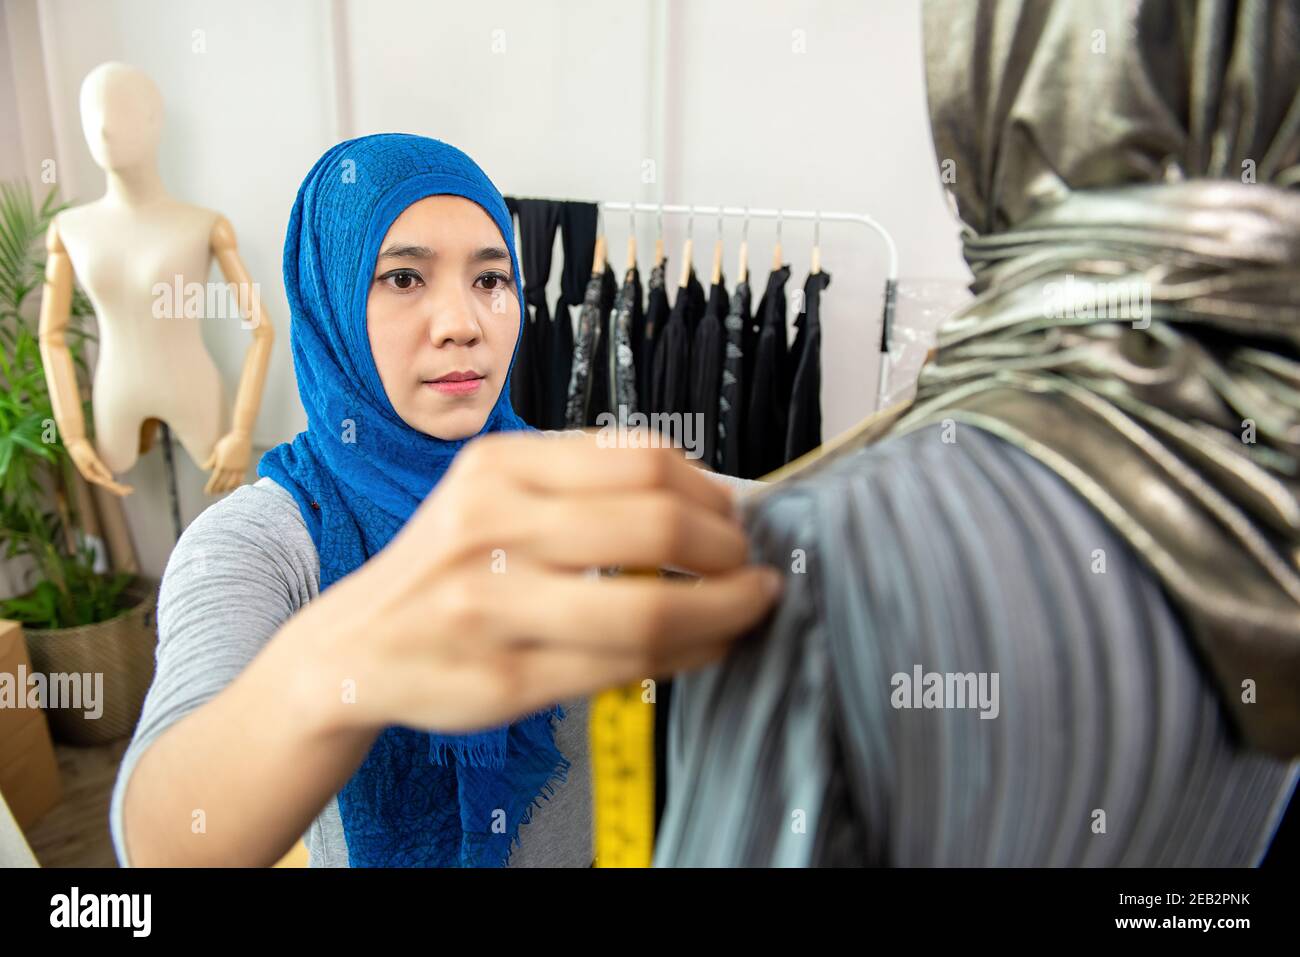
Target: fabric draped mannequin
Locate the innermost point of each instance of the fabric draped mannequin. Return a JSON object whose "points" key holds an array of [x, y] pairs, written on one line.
{"points": [[1169, 190], [981, 553]]}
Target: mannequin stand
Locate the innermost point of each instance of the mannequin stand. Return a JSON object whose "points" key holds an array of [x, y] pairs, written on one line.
{"points": [[173, 489]]}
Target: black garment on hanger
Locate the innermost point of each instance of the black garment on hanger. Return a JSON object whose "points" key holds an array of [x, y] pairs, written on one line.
{"points": [[523, 380], [598, 395], [731, 404], [656, 317], [585, 380], [672, 370], [769, 398], [804, 430], [750, 350], [708, 353], [628, 323], [538, 220], [578, 235]]}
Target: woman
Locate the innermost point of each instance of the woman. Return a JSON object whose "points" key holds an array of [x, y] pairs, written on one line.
{"points": [[337, 629]]}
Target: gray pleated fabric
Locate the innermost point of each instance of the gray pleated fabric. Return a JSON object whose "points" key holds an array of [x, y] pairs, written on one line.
{"points": [[966, 556]]}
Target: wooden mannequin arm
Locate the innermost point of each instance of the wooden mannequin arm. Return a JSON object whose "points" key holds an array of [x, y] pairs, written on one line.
{"points": [[230, 458], [60, 373], [252, 379], [56, 308]]}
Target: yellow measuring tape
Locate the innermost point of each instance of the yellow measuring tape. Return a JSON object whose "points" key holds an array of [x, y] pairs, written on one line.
{"points": [[622, 734], [622, 777]]}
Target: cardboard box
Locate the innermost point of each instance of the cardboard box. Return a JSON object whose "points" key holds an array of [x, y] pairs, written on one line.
{"points": [[29, 771]]}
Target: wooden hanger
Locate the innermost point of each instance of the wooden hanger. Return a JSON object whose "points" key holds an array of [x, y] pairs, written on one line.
{"points": [[715, 276], [743, 271], [817, 244], [598, 260], [659, 238], [776, 252], [688, 249], [631, 236]]}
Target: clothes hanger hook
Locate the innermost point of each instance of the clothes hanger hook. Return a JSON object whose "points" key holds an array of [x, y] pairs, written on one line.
{"points": [[719, 222], [779, 217], [660, 215], [817, 228], [631, 216], [690, 222], [744, 228]]}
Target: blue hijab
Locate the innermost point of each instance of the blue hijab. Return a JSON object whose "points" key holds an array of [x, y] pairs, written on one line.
{"points": [[359, 471]]}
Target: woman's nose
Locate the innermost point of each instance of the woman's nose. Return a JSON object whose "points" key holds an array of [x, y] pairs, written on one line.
{"points": [[452, 321]]}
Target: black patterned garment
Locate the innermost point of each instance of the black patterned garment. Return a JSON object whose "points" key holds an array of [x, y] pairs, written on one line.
{"points": [[600, 395], [731, 398], [804, 429], [627, 323], [708, 353], [583, 376], [578, 223]]}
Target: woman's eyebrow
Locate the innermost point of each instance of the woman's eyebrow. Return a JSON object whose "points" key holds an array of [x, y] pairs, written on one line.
{"points": [[406, 251], [489, 254]]}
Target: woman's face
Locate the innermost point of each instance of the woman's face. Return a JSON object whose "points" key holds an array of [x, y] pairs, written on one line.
{"points": [[442, 315]]}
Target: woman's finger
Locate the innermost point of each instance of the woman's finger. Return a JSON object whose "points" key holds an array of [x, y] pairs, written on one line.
{"points": [[542, 675], [579, 464], [632, 530], [619, 614]]}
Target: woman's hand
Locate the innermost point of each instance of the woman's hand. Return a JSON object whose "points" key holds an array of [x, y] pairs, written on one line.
{"points": [[481, 610]]}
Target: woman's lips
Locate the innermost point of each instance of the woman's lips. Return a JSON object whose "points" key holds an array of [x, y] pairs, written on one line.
{"points": [[457, 383]]}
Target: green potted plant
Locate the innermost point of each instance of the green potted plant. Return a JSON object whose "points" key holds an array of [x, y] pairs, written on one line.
{"points": [[91, 627]]}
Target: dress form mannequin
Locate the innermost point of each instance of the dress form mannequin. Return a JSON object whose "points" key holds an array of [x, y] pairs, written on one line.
{"points": [[124, 246]]}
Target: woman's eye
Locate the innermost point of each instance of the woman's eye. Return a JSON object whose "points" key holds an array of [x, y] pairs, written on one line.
{"points": [[402, 279], [493, 280]]}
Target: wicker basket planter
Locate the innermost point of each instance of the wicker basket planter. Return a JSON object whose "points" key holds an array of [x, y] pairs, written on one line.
{"points": [[121, 648]]}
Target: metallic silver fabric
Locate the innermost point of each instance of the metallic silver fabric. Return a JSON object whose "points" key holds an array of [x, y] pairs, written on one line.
{"points": [[1126, 173]]}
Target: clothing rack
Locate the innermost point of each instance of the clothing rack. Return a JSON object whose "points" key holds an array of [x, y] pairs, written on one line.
{"points": [[815, 216]]}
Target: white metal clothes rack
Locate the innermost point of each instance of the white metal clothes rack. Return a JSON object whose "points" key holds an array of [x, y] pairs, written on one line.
{"points": [[815, 216]]}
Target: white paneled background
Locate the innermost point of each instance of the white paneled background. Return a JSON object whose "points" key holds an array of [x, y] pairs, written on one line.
{"points": [[791, 103]]}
